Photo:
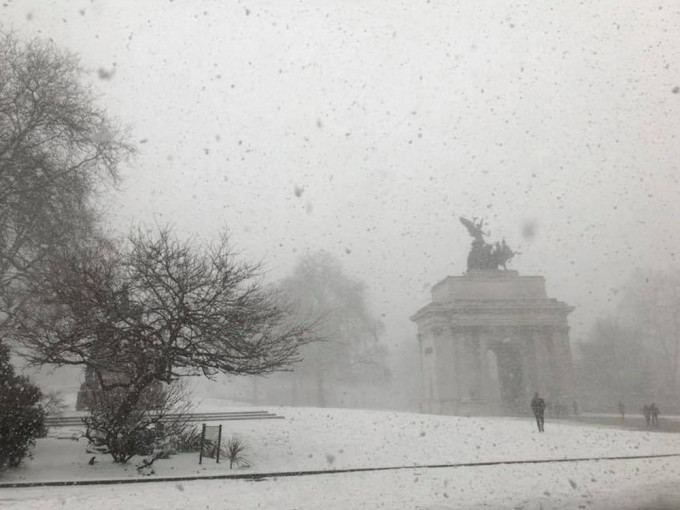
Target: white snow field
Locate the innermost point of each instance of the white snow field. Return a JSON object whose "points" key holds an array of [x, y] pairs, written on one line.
{"points": [[331, 439]]}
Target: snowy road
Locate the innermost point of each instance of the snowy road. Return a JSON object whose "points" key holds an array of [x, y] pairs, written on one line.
{"points": [[603, 484], [631, 422]]}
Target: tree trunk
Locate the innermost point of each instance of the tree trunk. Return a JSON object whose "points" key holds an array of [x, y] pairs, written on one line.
{"points": [[294, 390], [320, 390], [256, 392], [675, 372]]}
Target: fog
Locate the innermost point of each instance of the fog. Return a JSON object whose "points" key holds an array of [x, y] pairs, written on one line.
{"points": [[366, 128]]}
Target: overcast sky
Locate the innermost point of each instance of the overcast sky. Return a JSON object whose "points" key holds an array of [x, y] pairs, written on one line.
{"points": [[365, 127]]}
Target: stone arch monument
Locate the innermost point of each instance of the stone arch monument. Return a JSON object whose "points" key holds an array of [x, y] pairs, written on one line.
{"points": [[491, 338]]}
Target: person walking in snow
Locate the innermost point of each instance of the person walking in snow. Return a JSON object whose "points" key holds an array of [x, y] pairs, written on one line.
{"points": [[622, 410], [654, 412], [538, 407]]}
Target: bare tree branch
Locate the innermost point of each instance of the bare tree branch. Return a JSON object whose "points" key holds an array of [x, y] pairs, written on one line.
{"points": [[57, 149]]}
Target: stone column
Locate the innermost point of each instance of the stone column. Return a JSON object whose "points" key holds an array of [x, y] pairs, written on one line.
{"points": [[528, 360], [571, 375], [485, 383], [424, 398], [476, 365], [428, 364], [445, 367], [458, 340], [541, 361], [553, 365], [566, 367], [469, 364]]}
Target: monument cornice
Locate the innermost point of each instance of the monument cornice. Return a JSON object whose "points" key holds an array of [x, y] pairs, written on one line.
{"points": [[478, 308], [508, 322]]}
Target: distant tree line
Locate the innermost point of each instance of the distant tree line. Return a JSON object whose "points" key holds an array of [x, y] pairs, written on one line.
{"points": [[633, 354]]}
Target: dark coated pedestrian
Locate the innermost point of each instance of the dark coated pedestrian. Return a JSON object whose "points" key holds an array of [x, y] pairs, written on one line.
{"points": [[538, 407], [654, 412]]}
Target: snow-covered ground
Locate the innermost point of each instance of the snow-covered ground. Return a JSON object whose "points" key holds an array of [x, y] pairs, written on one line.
{"points": [[321, 439]]}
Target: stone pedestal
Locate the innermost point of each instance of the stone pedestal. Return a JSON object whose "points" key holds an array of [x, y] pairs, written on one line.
{"points": [[489, 340]]}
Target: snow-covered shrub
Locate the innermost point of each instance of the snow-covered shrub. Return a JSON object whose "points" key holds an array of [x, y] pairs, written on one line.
{"points": [[53, 403], [22, 419], [126, 430], [186, 439]]}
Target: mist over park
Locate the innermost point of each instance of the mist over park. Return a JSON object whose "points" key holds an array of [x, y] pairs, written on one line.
{"points": [[411, 215]]}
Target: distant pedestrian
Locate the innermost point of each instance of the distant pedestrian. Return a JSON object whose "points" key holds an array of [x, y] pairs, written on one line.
{"points": [[538, 407], [622, 410], [647, 413], [654, 412]]}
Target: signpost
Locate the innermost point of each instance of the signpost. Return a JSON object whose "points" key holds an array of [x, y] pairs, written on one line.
{"points": [[211, 439]]}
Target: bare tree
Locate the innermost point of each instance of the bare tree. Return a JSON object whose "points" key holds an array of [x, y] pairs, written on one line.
{"points": [[650, 303], [158, 310], [614, 364], [56, 149], [350, 352]]}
